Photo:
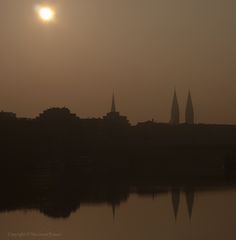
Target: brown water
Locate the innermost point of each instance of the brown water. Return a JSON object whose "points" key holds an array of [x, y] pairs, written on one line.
{"points": [[214, 217]]}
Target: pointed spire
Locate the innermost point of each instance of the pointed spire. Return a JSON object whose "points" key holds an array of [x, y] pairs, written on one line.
{"points": [[113, 105], [175, 193], [190, 201], [189, 112], [174, 110]]}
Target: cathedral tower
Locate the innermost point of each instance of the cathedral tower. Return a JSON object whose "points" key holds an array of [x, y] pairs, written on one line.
{"points": [[189, 112], [174, 119]]}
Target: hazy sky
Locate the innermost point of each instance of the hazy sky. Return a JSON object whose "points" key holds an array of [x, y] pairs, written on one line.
{"points": [[141, 48]]}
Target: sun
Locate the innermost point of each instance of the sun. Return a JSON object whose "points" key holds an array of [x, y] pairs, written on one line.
{"points": [[46, 13]]}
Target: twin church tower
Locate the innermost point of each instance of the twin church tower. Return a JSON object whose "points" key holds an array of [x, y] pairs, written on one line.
{"points": [[175, 113]]}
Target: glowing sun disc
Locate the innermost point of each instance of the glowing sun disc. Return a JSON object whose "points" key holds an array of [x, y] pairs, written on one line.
{"points": [[46, 14]]}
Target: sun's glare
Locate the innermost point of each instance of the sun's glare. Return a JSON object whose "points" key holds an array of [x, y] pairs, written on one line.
{"points": [[46, 13]]}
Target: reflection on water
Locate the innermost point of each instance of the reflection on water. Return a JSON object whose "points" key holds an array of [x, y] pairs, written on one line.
{"points": [[138, 218], [127, 210]]}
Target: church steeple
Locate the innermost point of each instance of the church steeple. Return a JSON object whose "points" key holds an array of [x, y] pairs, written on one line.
{"points": [[114, 116], [189, 112], [113, 105], [174, 110]]}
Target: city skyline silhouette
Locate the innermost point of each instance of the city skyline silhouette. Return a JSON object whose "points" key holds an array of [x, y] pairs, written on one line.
{"points": [[113, 114], [118, 119]]}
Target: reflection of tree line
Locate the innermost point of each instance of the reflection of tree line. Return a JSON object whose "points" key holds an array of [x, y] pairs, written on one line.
{"points": [[57, 195], [60, 201]]}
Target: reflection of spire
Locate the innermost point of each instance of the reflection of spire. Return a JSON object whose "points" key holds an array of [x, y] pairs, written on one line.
{"points": [[190, 201], [175, 201], [114, 211], [189, 112], [113, 105], [174, 110], [153, 195]]}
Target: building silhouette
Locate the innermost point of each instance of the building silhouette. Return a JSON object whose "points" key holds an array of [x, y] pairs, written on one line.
{"points": [[114, 116], [189, 112], [174, 119], [7, 116]]}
